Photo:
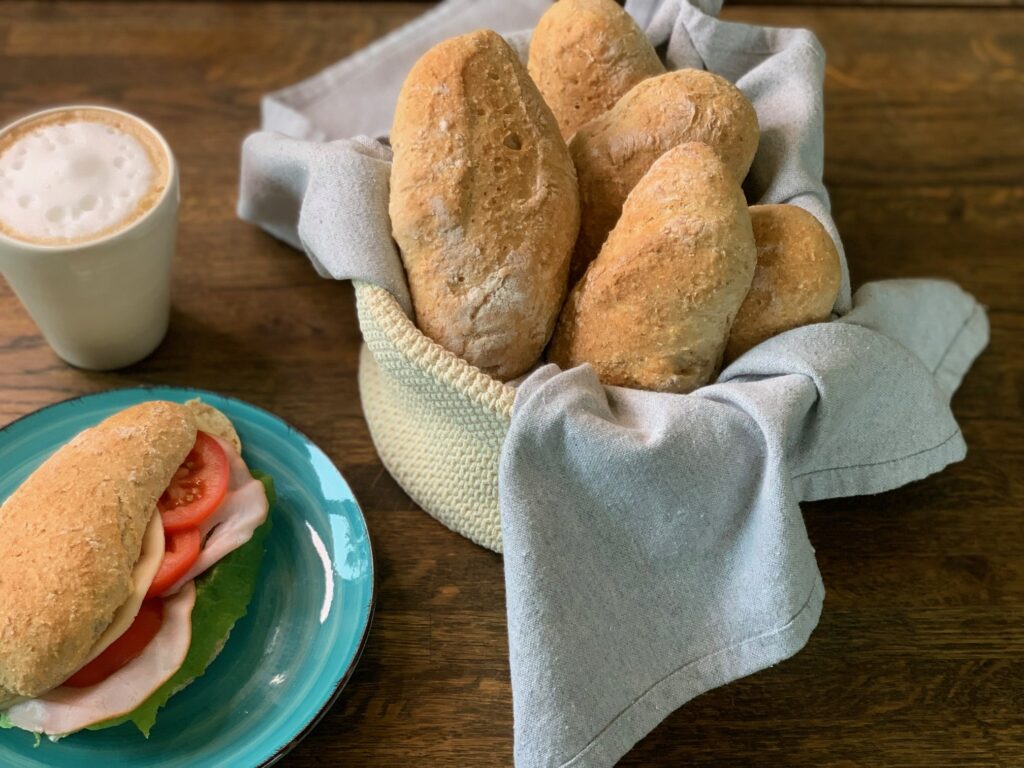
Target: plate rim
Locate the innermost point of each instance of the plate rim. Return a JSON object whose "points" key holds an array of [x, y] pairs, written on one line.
{"points": [[371, 605]]}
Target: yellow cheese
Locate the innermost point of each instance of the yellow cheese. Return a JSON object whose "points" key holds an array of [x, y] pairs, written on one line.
{"points": [[143, 575]]}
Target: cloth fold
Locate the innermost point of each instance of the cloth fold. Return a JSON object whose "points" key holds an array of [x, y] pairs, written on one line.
{"points": [[654, 546], [329, 199], [357, 95]]}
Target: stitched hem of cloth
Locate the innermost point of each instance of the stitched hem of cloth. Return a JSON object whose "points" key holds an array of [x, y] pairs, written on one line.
{"points": [[700, 676], [967, 344], [864, 479], [860, 479]]}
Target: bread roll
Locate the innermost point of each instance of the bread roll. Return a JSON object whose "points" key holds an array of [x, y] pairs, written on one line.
{"points": [[70, 536], [584, 56], [653, 311], [612, 152], [796, 281], [214, 422], [484, 204]]}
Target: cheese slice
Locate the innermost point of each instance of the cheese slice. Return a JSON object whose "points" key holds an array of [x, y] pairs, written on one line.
{"points": [[142, 577]]}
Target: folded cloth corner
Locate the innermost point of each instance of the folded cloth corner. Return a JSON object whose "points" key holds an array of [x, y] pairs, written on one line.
{"points": [[329, 199]]}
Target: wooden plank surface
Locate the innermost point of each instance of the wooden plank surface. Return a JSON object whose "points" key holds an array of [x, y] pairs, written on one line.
{"points": [[919, 656]]}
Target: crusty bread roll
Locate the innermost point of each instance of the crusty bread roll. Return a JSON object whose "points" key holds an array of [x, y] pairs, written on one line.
{"points": [[584, 56], [613, 151], [796, 281], [484, 204], [70, 536], [214, 422], [653, 311]]}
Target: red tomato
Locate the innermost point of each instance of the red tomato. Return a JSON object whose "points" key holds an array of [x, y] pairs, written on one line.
{"points": [[198, 487], [123, 650], [181, 551]]}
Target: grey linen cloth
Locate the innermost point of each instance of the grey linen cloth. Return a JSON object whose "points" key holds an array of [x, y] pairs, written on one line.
{"points": [[654, 546]]}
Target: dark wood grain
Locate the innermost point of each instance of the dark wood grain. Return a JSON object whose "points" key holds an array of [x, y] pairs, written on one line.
{"points": [[919, 657], [917, 4]]}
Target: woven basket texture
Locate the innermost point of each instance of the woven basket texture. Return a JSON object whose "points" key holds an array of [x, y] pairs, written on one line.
{"points": [[437, 422]]}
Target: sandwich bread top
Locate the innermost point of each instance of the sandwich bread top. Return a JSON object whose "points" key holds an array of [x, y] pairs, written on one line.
{"points": [[70, 536]]}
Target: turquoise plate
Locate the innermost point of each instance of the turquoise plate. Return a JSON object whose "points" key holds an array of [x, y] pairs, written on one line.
{"points": [[288, 659]]}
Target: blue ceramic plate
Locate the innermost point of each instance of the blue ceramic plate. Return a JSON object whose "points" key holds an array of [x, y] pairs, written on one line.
{"points": [[288, 659]]}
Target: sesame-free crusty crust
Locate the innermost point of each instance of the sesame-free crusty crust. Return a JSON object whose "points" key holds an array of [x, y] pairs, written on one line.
{"points": [[70, 536], [796, 281], [584, 56], [214, 422], [484, 205], [613, 151], [653, 310]]}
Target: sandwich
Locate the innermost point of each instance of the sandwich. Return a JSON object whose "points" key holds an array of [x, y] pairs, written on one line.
{"points": [[125, 560]]}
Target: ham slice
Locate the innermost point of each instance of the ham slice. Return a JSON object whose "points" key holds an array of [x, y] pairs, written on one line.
{"points": [[65, 710], [243, 510]]}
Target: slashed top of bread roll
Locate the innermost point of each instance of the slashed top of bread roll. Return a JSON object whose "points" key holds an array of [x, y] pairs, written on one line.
{"points": [[484, 205], [613, 151], [584, 56], [796, 281], [70, 536], [653, 311]]}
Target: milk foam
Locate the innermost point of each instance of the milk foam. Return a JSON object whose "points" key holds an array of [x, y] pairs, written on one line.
{"points": [[70, 181]]}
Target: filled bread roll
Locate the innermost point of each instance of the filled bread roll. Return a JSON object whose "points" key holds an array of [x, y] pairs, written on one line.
{"points": [[613, 151], [484, 204], [653, 311], [796, 281], [53, 609], [584, 56]]}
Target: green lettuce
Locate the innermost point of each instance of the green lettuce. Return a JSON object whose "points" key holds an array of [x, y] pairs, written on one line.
{"points": [[222, 598], [5, 722]]}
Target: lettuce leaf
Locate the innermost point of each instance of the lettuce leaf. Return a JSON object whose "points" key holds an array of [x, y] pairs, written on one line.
{"points": [[5, 722], [222, 598]]}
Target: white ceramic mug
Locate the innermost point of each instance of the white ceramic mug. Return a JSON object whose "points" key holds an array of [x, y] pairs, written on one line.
{"points": [[104, 303]]}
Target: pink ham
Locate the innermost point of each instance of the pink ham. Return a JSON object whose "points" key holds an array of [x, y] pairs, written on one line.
{"points": [[243, 510], [65, 710]]}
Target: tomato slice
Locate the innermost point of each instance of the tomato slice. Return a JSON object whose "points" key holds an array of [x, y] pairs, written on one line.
{"points": [[180, 552], [123, 650], [198, 487]]}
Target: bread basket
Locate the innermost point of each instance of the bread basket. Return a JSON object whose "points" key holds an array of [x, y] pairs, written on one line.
{"points": [[438, 422]]}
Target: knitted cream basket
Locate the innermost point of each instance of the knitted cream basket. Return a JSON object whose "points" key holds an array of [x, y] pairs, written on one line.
{"points": [[437, 421]]}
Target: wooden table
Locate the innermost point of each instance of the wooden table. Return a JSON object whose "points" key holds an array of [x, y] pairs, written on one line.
{"points": [[919, 656]]}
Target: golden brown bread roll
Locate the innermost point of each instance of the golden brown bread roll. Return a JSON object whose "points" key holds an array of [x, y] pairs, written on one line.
{"points": [[92, 502], [613, 151], [584, 56], [214, 422], [484, 204], [796, 281], [653, 310]]}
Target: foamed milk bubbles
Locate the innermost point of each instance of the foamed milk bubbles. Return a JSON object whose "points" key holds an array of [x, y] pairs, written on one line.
{"points": [[88, 216], [69, 182], [72, 180]]}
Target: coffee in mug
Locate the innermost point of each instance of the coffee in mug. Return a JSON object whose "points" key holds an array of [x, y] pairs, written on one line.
{"points": [[77, 175], [88, 214]]}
